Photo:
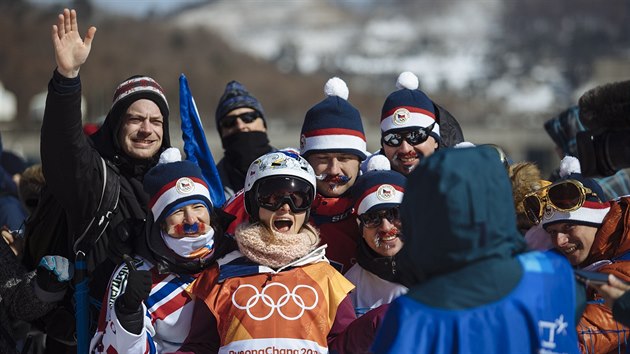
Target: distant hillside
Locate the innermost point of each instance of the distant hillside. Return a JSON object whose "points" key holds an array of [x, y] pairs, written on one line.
{"points": [[124, 47]]}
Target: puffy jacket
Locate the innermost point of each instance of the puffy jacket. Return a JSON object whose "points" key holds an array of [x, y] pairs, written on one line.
{"points": [[599, 332]]}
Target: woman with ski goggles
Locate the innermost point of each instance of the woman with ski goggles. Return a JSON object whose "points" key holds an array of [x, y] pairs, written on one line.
{"points": [[279, 282]]}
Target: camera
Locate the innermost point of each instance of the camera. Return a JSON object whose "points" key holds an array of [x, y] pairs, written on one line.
{"points": [[603, 153], [604, 148]]}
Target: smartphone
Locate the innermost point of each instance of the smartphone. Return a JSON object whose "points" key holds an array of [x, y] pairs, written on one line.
{"points": [[594, 278]]}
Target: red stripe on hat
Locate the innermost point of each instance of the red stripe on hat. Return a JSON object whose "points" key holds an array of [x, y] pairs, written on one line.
{"points": [[134, 83], [334, 131], [138, 82], [411, 109], [170, 185], [595, 205], [373, 189]]}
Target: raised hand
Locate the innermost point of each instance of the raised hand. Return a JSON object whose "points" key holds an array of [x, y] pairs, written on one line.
{"points": [[71, 51]]}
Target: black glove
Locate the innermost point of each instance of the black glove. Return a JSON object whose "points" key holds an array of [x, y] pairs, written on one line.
{"points": [[137, 290], [53, 274]]}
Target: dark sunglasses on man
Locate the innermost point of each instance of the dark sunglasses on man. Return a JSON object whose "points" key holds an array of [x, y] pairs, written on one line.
{"points": [[566, 196], [374, 219], [230, 121], [413, 137]]}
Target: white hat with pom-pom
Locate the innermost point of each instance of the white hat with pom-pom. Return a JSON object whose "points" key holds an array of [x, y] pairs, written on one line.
{"points": [[333, 125], [594, 209], [379, 187], [408, 108], [173, 183]]}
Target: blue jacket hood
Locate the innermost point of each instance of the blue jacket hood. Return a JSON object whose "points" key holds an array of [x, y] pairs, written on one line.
{"points": [[457, 210]]}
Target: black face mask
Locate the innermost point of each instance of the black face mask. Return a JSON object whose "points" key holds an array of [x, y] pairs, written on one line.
{"points": [[241, 149]]}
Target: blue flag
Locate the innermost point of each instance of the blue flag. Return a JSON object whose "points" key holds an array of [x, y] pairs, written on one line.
{"points": [[195, 144]]}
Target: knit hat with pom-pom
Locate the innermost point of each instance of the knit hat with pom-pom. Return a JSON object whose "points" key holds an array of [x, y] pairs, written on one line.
{"points": [[333, 125], [174, 183], [592, 212], [379, 188], [408, 108]]}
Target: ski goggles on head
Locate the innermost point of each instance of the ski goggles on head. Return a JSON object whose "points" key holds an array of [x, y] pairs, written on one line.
{"points": [[568, 195], [412, 137], [247, 117], [272, 193], [374, 219]]}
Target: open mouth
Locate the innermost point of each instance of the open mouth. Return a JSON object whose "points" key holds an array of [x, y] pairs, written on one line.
{"points": [[282, 225], [569, 250], [143, 141], [387, 240], [407, 159]]}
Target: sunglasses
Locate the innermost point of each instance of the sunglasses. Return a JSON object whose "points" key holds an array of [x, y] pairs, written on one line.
{"points": [[375, 218], [568, 195], [413, 137], [230, 121], [272, 193]]}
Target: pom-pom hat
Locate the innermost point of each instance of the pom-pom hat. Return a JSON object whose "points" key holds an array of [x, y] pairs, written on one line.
{"points": [[173, 183], [136, 88], [408, 108], [591, 213], [379, 188], [333, 125], [236, 96]]}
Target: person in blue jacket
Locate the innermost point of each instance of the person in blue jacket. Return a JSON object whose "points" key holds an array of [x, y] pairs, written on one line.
{"points": [[473, 286]]}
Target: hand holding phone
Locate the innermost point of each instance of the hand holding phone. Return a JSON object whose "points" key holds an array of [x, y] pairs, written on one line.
{"points": [[608, 286], [591, 278]]}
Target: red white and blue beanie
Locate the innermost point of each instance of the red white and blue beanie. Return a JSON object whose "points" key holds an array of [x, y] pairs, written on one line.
{"points": [[408, 108], [173, 183], [333, 125], [593, 211], [379, 188], [136, 88]]}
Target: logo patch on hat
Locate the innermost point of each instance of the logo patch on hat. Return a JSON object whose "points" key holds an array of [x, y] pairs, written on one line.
{"points": [[385, 192], [548, 213], [185, 185], [401, 116]]}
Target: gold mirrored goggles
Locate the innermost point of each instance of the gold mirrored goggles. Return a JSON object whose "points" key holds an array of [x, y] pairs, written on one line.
{"points": [[567, 195]]}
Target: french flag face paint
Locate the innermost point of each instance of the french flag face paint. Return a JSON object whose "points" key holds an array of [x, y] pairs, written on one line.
{"points": [[184, 230]]}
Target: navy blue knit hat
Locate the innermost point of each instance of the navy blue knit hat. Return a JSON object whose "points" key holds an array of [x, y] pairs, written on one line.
{"points": [[408, 108], [594, 209], [236, 96], [379, 188], [173, 183], [333, 125]]}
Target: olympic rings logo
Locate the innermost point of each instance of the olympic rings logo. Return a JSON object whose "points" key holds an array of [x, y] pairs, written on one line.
{"points": [[273, 306]]}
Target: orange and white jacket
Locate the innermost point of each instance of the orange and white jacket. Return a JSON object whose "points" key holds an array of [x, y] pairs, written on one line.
{"points": [[260, 309]]}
